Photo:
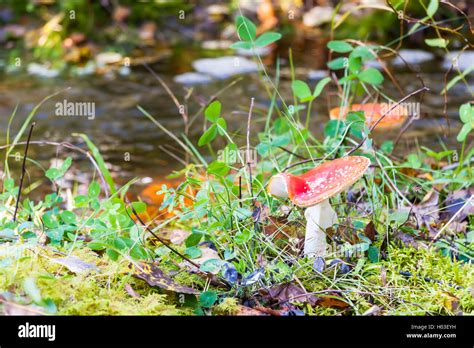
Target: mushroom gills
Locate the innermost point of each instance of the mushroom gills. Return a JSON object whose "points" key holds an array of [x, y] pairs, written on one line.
{"points": [[318, 218]]}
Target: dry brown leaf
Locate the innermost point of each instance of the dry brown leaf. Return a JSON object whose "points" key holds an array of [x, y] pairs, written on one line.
{"points": [[10, 308], [130, 291], [332, 301], [156, 277], [374, 310]]}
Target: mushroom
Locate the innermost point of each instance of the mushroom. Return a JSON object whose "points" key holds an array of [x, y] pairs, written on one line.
{"points": [[373, 112], [312, 191]]}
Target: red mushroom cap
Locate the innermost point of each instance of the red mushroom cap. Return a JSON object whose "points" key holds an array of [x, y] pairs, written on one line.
{"points": [[373, 112], [325, 180]]}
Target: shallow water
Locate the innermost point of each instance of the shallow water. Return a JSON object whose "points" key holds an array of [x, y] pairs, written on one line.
{"points": [[122, 132]]}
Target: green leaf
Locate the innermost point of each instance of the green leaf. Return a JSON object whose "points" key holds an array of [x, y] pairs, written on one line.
{"points": [[212, 266], [338, 63], [355, 64], [207, 299], [320, 86], [371, 76], [243, 45], [301, 90], [222, 125], [218, 168], [331, 126], [362, 52], [373, 254], [96, 245], [464, 132], [213, 111], [66, 164], [94, 189], [267, 38], [242, 213], [140, 207], [193, 239], [113, 254], [193, 252], [81, 201], [387, 146], [53, 174], [414, 161], [339, 46], [432, 7], [8, 184], [466, 113], [49, 221], [208, 136], [68, 217], [442, 43], [138, 252], [119, 243], [245, 28], [399, 216]]}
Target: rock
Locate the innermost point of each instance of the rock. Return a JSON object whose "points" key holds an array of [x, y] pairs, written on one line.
{"points": [[317, 74], [42, 70], [318, 15], [413, 57], [106, 58], [465, 60], [192, 78], [373, 64], [224, 67], [216, 44]]}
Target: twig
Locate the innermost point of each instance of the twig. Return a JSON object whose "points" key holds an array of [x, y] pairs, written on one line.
{"points": [[428, 279], [23, 171], [249, 165], [210, 276], [292, 153], [468, 201]]}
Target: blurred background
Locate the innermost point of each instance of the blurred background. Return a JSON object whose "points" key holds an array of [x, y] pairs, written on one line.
{"points": [[108, 51]]}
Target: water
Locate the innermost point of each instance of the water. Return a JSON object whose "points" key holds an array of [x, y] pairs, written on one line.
{"points": [[131, 143]]}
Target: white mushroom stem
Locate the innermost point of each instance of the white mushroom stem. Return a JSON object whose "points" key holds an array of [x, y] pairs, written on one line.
{"points": [[318, 218]]}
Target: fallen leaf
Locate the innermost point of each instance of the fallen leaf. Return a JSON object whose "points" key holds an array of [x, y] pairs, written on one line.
{"points": [[290, 292], [455, 201], [156, 277], [370, 231], [75, 264], [10, 308], [332, 301], [247, 311], [130, 291], [450, 301], [374, 310]]}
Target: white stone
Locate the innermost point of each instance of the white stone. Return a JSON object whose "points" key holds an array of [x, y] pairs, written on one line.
{"points": [[224, 67]]}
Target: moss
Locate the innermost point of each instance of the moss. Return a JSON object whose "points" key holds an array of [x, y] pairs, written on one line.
{"points": [[228, 306], [95, 293]]}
